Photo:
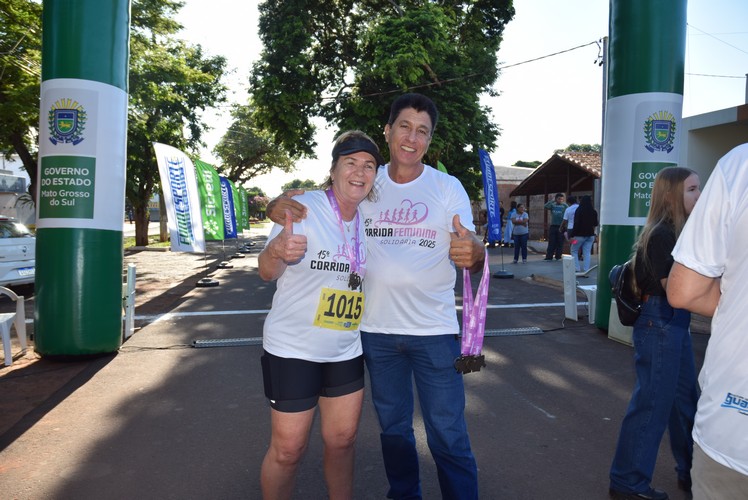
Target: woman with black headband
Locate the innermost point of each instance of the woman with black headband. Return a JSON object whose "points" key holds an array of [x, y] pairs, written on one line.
{"points": [[312, 346]]}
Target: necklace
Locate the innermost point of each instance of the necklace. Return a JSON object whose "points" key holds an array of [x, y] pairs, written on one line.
{"points": [[348, 224]]}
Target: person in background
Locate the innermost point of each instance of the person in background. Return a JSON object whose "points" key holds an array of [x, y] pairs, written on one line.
{"points": [[509, 227], [409, 328], [583, 234], [129, 211], [557, 208], [310, 358], [568, 223], [481, 226], [710, 277], [665, 393], [502, 212], [521, 232]]}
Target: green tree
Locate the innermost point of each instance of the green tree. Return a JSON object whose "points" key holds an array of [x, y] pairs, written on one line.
{"points": [[20, 77], [171, 83], [581, 148], [346, 61], [299, 184], [248, 151], [257, 205], [255, 191], [527, 164]]}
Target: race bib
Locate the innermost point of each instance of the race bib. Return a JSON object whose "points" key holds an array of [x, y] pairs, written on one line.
{"points": [[339, 309]]}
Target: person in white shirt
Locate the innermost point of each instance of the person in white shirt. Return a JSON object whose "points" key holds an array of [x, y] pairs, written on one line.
{"points": [[710, 277], [311, 339], [568, 222]]}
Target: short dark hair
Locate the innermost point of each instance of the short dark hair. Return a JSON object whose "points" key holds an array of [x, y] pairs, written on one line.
{"points": [[419, 102], [572, 199], [560, 195]]}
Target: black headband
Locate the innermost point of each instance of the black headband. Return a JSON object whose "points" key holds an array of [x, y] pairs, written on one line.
{"points": [[354, 145]]}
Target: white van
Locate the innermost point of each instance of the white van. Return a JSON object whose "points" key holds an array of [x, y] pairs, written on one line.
{"points": [[17, 253]]}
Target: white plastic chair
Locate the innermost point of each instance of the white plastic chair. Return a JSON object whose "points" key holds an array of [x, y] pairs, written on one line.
{"points": [[570, 292], [18, 318]]}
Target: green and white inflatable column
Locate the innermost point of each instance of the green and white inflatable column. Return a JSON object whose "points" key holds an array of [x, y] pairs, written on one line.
{"points": [[81, 177], [642, 123]]}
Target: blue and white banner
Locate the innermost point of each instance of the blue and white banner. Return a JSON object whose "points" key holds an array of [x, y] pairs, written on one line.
{"points": [[229, 215], [181, 197], [492, 197]]}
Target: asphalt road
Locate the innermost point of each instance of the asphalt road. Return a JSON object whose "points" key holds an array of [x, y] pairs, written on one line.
{"points": [[162, 419]]}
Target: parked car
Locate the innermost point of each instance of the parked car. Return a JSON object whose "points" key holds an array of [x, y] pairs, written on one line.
{"points": [[17, 253]]}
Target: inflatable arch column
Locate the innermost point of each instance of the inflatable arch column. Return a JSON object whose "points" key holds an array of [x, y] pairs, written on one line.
{"points": [[642, 123], [81, 177]]}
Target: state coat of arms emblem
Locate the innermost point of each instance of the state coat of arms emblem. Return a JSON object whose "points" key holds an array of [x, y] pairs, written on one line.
{"points": [[659, 132], [67, 121]]}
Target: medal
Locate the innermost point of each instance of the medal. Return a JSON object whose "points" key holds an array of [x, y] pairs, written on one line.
{"points": [[473, 323], [354, 281], [461, 364], [351, 251], [469, 363]]}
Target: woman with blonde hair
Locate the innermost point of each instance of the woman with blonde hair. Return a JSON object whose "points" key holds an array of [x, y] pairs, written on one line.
{"points": [[665, 394], [311, 338]]}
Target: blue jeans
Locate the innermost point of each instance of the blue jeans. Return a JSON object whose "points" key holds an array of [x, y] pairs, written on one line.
{"points": [[392, 362], [665, 396], [555, 243], [520, 243], [586, 243]]}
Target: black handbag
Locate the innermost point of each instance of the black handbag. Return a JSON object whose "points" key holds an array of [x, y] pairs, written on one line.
{"points": [[628, 303]]}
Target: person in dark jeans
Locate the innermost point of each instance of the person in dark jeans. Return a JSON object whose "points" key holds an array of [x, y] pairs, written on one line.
{"points": [[557, 207], [520, 233], [665, 394]]}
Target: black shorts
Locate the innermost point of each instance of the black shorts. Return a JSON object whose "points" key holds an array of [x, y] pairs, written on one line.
{"points": [[294, 385]]}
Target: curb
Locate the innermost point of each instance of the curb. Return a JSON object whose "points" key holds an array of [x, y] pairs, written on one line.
{"points": [[147, 249], [539, 278]]}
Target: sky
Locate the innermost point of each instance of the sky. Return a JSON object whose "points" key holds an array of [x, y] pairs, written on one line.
{"points": [[551, 85]]}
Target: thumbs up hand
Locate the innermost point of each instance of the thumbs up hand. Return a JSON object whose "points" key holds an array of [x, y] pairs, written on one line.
{"points": [[287, 246], [465, 250], [459, 228]]}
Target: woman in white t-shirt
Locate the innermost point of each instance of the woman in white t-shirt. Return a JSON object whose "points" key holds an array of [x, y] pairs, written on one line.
{"points": [[312, 346]]}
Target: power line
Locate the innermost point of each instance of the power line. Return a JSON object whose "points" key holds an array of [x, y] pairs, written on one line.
{"points": [[458, 78], [728, 33], [715, 76], [594, 42], [718, 39]]}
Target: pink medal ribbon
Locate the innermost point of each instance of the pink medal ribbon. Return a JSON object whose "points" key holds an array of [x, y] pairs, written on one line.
{"points": [[473, 322], [351, 253]]}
